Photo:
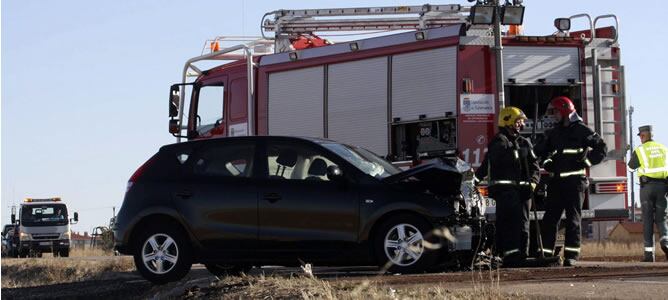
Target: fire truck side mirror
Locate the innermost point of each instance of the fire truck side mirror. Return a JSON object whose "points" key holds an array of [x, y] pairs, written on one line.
{"points": [[174, 100], [13, 218]]}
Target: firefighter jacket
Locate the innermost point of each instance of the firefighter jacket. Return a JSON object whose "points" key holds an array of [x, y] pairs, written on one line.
{"points": [[570, 150], [650, 160], [510, 161]]}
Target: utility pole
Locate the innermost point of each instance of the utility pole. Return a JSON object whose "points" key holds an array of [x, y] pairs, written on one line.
{"points": [[633, 186], [499, 55]]}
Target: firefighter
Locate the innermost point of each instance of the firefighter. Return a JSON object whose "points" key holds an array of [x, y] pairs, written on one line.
{"points": [[511, 168], [568, 150], [650, 161]]}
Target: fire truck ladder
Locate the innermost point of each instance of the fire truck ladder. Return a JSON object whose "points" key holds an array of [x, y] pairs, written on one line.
{"points": [[609, 92], [288, 24]]}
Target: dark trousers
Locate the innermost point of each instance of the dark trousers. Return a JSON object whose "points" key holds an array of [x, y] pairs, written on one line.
{"points": [[512, 222], [564, 195], [653, 198]]}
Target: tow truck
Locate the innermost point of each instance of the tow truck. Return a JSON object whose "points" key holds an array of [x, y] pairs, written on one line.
{"points": [[44, 226]]}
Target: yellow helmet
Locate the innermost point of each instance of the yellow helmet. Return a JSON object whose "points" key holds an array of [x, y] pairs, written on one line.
{"points": [[509, 115]]}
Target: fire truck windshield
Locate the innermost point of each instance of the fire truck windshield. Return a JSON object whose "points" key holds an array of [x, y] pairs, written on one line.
{"points": [[364, 160], [44, 215]]}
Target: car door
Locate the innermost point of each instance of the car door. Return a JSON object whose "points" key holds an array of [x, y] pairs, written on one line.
{"points": [[219, 196], [301, 212]]}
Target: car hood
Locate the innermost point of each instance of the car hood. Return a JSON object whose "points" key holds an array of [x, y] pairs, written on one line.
{"points": [[437, 177]]}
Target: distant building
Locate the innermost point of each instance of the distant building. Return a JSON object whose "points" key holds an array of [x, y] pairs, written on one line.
{"points": [[599, 230], [80, 241], [628, 232]]}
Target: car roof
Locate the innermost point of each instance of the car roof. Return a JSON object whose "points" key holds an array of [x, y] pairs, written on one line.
{"points": [[241, 138]]}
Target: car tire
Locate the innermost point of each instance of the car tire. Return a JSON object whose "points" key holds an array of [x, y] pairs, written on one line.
{"points": [[64, 253], [162, 254], [222, 270], [398, 244]]}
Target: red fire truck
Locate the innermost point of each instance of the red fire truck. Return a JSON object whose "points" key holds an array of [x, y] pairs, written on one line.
{"points": [[425, 88]]}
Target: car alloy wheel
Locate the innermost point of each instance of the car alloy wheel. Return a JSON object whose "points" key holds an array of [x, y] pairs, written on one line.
{"points": [[404, 244], [160, 253]]}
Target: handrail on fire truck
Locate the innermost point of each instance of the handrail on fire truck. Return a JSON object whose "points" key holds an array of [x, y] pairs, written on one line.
{"points": [[610, 16], [291, 23], [592, 35], [250, 46]]}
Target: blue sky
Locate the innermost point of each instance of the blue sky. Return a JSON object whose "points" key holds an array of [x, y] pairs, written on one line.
{"points": [[85, 83]]}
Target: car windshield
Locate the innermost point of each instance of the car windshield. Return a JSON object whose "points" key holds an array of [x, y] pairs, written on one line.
{"points": [[364, 160], [44, 215]]}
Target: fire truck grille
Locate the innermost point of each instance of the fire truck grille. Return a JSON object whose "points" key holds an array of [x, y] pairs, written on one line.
{"points": [[45, 236]]}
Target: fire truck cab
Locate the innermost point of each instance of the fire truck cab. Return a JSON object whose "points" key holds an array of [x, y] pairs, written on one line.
{"points": [[425, 91]]}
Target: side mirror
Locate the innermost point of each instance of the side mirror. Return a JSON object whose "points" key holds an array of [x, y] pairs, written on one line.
{"points": [[334, 173], [174, 127], [75, 219], [174, 100], [13, 218]]}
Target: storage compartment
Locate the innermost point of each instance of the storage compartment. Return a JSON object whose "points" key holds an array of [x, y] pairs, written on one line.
{"points": [[532, 98], [425, 139]]}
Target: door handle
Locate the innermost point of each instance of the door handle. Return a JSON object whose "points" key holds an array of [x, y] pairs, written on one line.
{"points": [[185, 194], [272, 197]]}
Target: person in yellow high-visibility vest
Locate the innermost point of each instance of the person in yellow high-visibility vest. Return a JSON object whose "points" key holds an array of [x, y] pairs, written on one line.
{"points": [[649, 160]]}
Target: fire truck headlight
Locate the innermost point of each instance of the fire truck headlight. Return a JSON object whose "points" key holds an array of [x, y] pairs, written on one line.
{"points": [[24, 236]]}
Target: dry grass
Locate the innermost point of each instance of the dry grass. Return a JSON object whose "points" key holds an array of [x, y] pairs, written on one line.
{"points": [[608, 248], [79, 252], [25, 272], [304, 287]]}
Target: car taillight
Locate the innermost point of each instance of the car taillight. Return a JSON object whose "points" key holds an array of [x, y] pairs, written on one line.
{"points": [[610, 187], [138, 173]]}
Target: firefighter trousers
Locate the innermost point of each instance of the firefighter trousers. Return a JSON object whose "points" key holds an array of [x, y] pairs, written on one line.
{"points": [[653, 200], [512, 222], [564, 195]]}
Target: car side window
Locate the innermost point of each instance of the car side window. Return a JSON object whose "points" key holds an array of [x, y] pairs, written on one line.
{"points": [[296, 162], [228, 160]]}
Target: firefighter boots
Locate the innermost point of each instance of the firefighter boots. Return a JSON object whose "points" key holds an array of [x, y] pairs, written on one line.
{"points": [[649, 257], [569, 262]]}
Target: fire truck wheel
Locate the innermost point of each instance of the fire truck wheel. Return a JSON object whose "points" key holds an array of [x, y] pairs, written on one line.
{"points": [[405, 244], [163, 254], [226, 270]]}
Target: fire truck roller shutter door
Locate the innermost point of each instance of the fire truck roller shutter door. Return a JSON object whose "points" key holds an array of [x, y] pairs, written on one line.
{"points": [[424, 83], [529, 64], [357, 103], [296, 102]]}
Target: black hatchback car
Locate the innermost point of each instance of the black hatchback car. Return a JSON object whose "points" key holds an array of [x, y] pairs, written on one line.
{"points": [[233, 203]]}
